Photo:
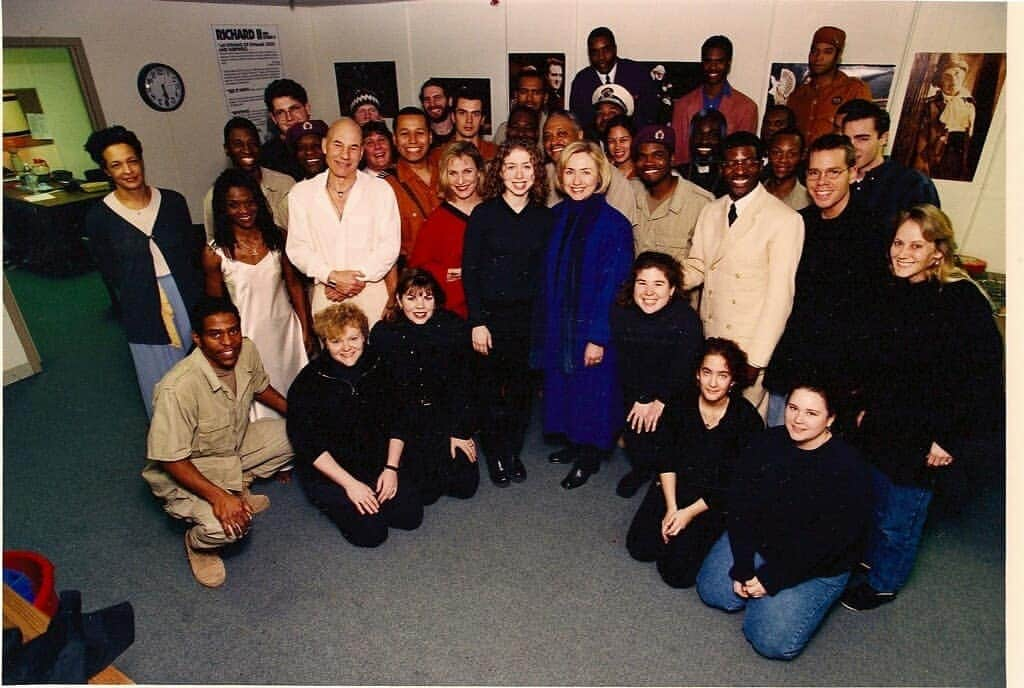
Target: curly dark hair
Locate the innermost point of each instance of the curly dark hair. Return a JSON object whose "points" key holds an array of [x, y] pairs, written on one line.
{"points": [[494, 185], [735, 358], [669, 267], [222, 231], [99, 141]]}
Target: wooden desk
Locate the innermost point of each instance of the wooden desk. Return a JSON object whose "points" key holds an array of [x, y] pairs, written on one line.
{"points": [[32, 622], [60, 196], [46, 236]]}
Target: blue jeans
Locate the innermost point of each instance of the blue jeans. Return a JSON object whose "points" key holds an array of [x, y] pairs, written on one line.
{"points": [[900, 513], [779, 626], [776, 415]]}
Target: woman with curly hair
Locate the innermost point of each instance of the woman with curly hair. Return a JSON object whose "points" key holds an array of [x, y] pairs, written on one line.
{"points": [[501, 273], [684, 512], [247, 260], [345, 467]]}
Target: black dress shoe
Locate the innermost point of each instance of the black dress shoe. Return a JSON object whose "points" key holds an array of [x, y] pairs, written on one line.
{"points": [[577, 476], [566, 455], [631, 483], [518, 472], [498, 472]]}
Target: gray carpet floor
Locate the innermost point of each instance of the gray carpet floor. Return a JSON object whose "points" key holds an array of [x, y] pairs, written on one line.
{"points": [[528, 585]]}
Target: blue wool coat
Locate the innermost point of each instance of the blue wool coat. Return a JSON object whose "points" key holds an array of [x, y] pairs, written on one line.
{"points": [[580, 280]]}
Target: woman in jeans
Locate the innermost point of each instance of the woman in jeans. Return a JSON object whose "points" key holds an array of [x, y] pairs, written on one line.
{"points": [[799, 511], [935, 389]]}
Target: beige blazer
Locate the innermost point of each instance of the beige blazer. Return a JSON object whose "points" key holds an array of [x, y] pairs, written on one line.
{"points": [[748, 271]]}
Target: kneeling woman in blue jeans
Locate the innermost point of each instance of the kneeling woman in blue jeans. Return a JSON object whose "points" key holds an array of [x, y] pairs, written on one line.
{"points": [[799, 513]]}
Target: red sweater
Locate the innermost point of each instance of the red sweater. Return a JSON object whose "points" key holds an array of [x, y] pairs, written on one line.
{"points": [[438, 249]]}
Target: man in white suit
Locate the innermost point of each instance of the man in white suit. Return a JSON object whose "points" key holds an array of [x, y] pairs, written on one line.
{"points": [[746, 248]]}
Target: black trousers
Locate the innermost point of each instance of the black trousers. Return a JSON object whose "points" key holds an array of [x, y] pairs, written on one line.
{"points": [[679, 560], [645, 449], [404, 510], [505, 384], [428, 463]]}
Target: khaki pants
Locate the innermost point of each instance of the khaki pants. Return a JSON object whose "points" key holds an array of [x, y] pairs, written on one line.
{"points": [[265, 450]]}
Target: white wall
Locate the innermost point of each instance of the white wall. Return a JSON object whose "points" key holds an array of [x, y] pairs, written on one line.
{"points": [[183, 149], [472, 37]]}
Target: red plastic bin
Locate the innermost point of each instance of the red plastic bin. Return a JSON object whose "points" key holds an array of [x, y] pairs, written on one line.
{"points": [[40, 571]]}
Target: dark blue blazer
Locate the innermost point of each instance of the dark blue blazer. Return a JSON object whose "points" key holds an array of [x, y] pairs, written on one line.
{"points": [[633, 75]]}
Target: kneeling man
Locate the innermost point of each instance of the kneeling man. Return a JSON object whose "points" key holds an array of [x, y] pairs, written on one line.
{"points": [[202, 451]]}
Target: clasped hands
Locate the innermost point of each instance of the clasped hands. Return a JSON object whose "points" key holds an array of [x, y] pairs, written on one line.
{"points": [[344, 284], [233, 513], [750, 589]]}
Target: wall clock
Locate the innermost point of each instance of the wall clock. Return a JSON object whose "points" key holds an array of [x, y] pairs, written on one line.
{"points": [[161, 87]]}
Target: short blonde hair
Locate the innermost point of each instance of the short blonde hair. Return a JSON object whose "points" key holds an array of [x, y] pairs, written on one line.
{"points": [[331, 322], [459, 149], [604, 168]]}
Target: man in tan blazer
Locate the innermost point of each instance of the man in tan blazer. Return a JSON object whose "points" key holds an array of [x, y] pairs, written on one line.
{"points": [[746, 248]]}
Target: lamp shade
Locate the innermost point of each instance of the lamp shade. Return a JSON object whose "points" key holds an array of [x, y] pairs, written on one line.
{"points": [[16, 130]]}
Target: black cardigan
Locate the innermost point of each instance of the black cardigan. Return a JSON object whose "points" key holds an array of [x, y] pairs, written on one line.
{"points": [[502, 257], [428, 364], [122, 254]]}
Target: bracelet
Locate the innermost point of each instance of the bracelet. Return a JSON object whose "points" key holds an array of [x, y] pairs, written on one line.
{"points": [[388, 466]]}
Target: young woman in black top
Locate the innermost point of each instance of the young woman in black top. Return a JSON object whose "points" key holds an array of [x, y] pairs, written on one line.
{"points": [[501, 261], [346, 468], [425, 348], [799, 512], [658, 338], [685, 511], [933, 397]]}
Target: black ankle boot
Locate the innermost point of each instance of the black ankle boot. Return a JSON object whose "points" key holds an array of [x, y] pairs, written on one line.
{"points": [[498, 472], [518, 471], [567, 454]]}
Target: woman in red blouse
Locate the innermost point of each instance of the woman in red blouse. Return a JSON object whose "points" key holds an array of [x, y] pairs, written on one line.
{"points": [[438, 248]]}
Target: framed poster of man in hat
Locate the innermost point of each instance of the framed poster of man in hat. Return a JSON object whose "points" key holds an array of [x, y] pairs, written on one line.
{"points": [[947, 112]]}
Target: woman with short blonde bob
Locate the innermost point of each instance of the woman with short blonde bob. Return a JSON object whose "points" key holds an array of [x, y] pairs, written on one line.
{"points": [[935, 391], [588, 257]]}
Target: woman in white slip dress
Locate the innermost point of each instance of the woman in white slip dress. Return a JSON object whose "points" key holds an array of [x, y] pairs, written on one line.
{"points": [[247, 260]]}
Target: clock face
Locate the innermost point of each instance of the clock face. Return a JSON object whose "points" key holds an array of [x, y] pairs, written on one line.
{"points": [[161, 87]]}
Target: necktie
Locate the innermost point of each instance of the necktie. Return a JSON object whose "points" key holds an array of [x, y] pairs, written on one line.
{"points": [[607, 78], [732, 213]]}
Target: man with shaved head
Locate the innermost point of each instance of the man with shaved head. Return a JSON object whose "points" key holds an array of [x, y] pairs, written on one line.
{"points": [[344, 229]]}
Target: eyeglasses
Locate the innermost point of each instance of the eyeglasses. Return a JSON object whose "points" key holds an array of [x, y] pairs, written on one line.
{"points": [[830, 174], [741, 162]]}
